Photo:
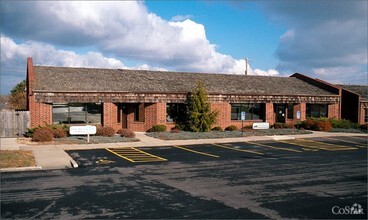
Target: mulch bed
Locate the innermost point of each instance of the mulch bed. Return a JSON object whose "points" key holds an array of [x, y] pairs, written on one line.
{"points": [[185, 135]]}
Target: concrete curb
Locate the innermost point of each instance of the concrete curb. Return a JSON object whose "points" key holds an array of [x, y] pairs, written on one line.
{"points": [[279, 138], [73, 163], [20, 169]]}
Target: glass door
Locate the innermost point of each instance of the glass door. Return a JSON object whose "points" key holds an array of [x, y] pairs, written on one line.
{"points": [[280, 113]]}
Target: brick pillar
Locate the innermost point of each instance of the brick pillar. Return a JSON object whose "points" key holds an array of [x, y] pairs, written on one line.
{"points": [[302, 108], [270, 116], [109, 117], [161, 113], [40, 113], [362, 114], [333, 110], [224, 116]]}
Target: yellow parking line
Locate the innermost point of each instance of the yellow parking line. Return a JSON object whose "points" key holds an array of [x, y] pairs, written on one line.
{"points": [[126, 158], [332, 146], [350, 142], [232, 148], [300, 145], [278, 148], [197, 152], [163, 159], [316, 145], [135, 155]]}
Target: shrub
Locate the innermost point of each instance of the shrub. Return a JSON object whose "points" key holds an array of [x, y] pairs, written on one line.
{"points": [[29, 132], [317, 124], [59, 133], [231, 128], [175, 130], [126, 133], [199, 114], [217, 128], [323, 125], [158, 128], [309, 124], [343, 123], [105, 131], [364, 127], [43, 134], [279, 125]]}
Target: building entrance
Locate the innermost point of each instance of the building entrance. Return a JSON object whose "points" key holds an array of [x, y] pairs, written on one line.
{"points": [[280, 113]]}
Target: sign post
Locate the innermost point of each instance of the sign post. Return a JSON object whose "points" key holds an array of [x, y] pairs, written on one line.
{"points": [[298, 119], [83, 130], [242, 119]]}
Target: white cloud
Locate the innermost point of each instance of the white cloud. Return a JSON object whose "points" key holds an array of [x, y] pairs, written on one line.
{"points": [[123, 29], [118, 28], [270, 72], [45, 54], [14, 60], [181, 17]]}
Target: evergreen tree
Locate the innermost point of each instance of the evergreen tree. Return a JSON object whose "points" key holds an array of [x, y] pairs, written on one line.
{"points": [[199, 115], [17, 100]]}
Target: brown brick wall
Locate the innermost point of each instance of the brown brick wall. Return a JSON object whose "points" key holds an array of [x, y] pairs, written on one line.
{"points": [[109, 116], [333, 110], [40, 113], [270, 115], [224, 116], [151, 114], [362, 114]]}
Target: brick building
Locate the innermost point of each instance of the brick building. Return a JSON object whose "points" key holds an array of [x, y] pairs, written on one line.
{"points": [[355, 103], [139, 99]]}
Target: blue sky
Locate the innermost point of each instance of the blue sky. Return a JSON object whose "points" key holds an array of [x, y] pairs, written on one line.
{"points": [[326, 39], [229, 25]]}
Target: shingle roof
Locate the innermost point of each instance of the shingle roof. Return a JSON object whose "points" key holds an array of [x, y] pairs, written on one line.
{"points": [[58, 79], [359, 89]]}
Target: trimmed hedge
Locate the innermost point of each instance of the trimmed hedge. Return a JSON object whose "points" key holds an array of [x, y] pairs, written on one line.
{"points": [[343, 123], [126, 133], [316, 124], [217, 128], [175, 130], [157, 128], [231, 128], [43, 134], [58, 130], [105, 131]]}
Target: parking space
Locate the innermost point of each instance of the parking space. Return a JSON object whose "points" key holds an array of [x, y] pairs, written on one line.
{"points": [[224, 151], [135, 155], [243, 180], [317, 145]]}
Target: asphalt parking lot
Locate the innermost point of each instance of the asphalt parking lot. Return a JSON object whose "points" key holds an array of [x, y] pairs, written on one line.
{"points": [[304, 178]]}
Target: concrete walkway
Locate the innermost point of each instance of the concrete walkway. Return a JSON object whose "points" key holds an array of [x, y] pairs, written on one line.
{"points": [[54, 156]]}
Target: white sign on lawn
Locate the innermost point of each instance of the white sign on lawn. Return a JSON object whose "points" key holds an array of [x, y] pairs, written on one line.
{"points": [[80, 130]]}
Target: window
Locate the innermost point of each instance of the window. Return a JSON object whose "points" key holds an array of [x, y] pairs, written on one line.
{"points": [[119, 110], [175, 112], [252, 111], [290, 111], [77, 113], [366, 115], [139, 112], [317, 110], [136, 112]]}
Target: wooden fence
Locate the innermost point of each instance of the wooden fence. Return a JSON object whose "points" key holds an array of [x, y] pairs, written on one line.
{"points": [[13, 123]]}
